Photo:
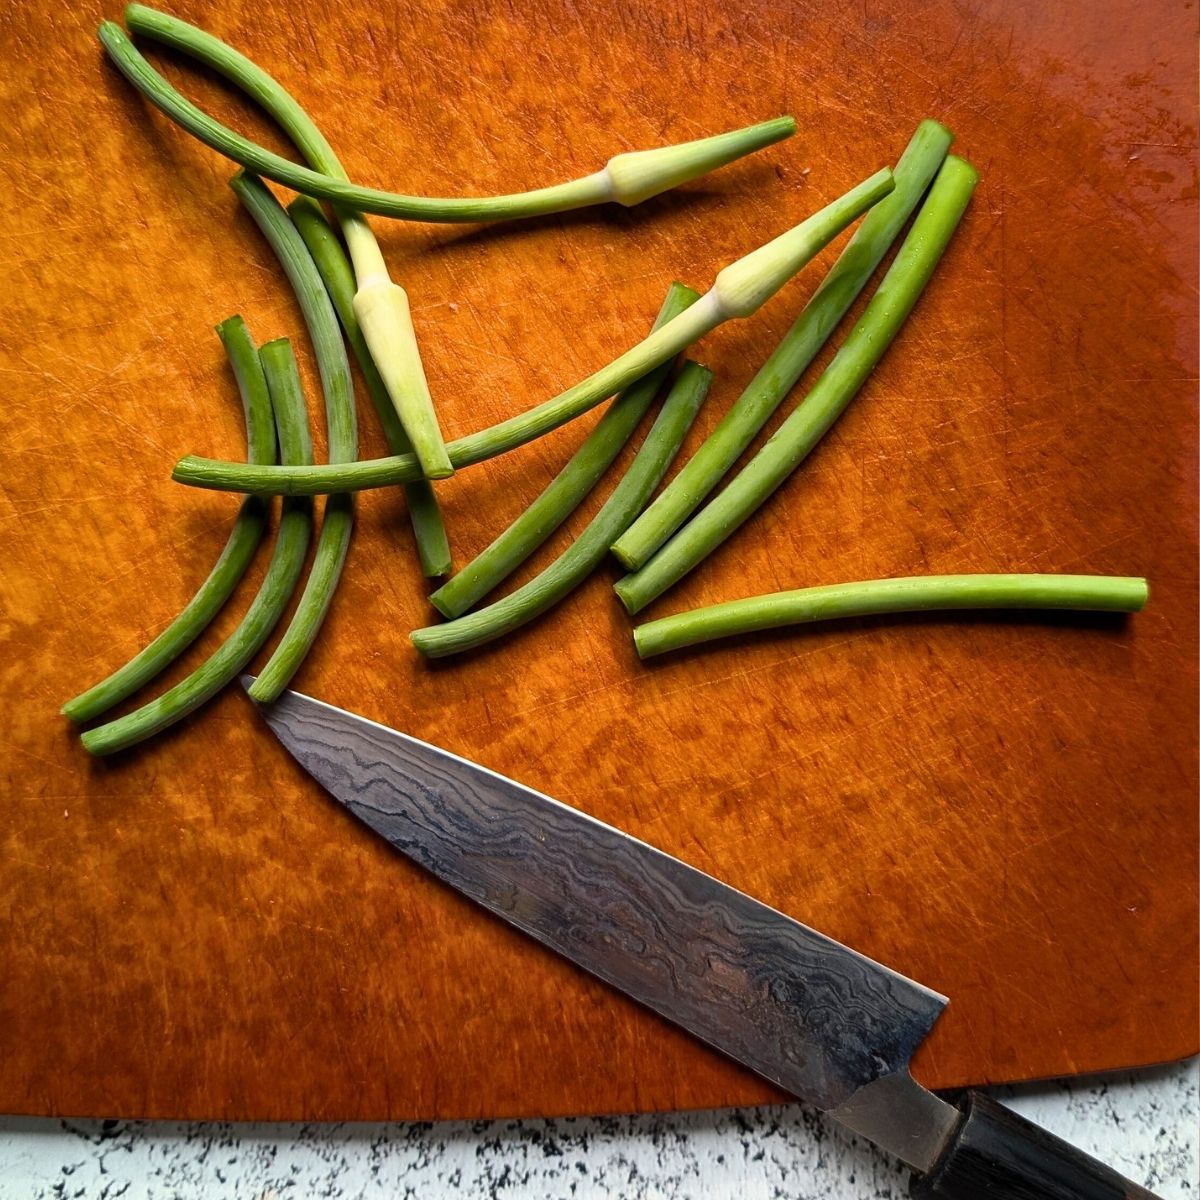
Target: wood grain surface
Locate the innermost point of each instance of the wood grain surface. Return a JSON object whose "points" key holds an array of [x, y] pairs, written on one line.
{"points": [[1002, 808]]}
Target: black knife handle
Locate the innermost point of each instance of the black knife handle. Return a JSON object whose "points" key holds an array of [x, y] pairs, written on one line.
{"points": [[999, 1155]]}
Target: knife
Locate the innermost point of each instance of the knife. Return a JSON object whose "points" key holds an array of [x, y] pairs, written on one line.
{"points": [[814, 1017]]}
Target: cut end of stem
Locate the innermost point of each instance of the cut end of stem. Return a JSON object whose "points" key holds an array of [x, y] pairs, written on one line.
{"points": [[436, 562], [428, 644], [110, 738], [92, 745], [627, 593], [643, 650], [434, 466], [640, 174], [929, 127], [183, 470], [235, 321], [623, 556], [960, 166], [449, 611]]}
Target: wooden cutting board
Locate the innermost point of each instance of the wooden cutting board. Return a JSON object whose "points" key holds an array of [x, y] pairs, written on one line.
{"points": [[1002, 808]]}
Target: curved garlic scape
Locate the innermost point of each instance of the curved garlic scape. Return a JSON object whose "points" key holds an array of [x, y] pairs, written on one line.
{"points": [[737, 291], [381, 305], [387, 327], [628, 179]]}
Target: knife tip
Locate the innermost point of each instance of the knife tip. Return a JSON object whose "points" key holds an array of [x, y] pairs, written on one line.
{"points": [[246, 681]]}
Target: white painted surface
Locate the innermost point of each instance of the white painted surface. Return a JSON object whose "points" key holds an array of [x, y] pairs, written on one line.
{"points": [[1143, 1123]]}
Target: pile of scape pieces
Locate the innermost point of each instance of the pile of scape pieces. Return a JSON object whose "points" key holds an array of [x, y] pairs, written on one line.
{"points": [[351, 306]]}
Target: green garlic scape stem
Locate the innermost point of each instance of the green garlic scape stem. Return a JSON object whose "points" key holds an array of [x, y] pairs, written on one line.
{"points": [[334, 369], [283, 574], [234, 559], [433, 548], [873, 597], [252, 387], [287, 398], [627, 178], [381, 304], [838, 385], [564, 493], [737, 291], [791, 358], [576, 563]]}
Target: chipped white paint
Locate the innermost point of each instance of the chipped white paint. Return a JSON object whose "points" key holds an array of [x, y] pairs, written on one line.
{"points": [[1144, 1123]]}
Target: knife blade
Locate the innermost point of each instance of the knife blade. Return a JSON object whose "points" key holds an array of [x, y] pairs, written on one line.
{"points": [[813, 1016]]}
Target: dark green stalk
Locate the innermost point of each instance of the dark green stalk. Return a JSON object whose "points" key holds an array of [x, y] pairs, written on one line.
{"points": [[283, 574], [738, 291], [335, 270], [564, 493], [873, 597], [252, 387], [838, 385], [334, 369], [576, 563], [630, 181], [800, 345], [287, 398], [234, 559]]}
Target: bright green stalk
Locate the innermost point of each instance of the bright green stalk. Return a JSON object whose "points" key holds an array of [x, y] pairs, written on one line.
{"points": [[627, 179], [800, 345], [433, 548], [334, 369], [838, 385], [873, 597], [234, 559], [738, 291], [564, 493], [575, 564], [283, 574], [382, 304]]}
